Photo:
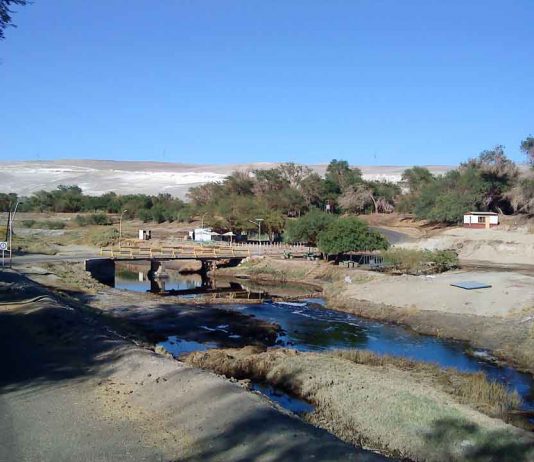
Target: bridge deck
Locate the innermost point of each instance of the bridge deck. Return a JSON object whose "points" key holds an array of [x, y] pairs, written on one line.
{"points": [[175, 253]]}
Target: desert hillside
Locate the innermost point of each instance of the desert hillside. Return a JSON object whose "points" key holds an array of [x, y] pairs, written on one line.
{"points": [[99, 176]]}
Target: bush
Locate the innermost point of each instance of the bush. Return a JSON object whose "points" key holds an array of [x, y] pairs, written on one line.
{"points": [[93, 219], [350, 235], [412, 261], [104, 238], [28, 223], [45, 224]]}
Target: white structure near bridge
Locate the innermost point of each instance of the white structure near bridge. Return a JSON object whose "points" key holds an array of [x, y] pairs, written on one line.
{"points": [[203, 235]]}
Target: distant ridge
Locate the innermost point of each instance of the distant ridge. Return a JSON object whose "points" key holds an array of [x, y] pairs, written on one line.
{"points": [[129, 177]]}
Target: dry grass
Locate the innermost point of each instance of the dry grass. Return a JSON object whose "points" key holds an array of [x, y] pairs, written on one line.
{"points": [[384, 404], [475, 390], [33, 245]]}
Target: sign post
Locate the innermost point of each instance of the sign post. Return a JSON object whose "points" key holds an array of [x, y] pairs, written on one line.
{"points": [[3, 248]]}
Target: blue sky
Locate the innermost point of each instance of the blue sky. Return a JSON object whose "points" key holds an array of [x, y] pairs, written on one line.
{"points": [[373, 82]]}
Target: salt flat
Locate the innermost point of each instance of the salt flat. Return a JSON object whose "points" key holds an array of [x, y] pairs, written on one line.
{"points": [[125, 177]]}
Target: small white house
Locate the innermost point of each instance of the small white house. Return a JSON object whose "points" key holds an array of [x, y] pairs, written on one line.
{"points": [[481, 219], [203, 235]]}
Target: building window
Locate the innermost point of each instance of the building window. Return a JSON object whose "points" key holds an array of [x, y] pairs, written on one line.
{"points": [[482, 219]]}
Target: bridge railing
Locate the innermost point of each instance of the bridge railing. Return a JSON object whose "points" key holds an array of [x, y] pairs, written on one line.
{"points": [[192, 252]]}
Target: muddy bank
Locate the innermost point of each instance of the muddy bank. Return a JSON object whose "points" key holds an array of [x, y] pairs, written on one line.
{"points": [[411, 414], [154, 318], [503, 323]]}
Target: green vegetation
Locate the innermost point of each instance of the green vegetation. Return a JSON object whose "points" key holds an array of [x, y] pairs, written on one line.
{"points": [[307, 228], [71, 199], [44, 224], [420, 261], [489, 182], [350, 235], [290, 198], [93, 219]]}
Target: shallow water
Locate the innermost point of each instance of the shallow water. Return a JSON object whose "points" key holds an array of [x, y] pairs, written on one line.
{"points": [[309, 326], [295, 405], [138, 281]]}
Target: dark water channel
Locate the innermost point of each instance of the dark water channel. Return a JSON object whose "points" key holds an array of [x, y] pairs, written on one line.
{"points": [[309, 326]]}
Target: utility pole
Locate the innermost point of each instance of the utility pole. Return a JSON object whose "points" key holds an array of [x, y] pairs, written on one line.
{"points": [[257, 221], [11, 220], [120, 228]]}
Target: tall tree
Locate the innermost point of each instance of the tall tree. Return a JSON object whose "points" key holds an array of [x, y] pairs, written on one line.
{"points": [[416, 177], [6, 12], [527, 146], [340, 176], [356, 199]]}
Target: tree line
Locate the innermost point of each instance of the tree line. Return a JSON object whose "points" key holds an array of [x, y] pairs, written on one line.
{"points": [[294, 199]]}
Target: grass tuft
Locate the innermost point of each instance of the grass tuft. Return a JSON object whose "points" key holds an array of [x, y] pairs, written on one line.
{"points": [[473, 389]]}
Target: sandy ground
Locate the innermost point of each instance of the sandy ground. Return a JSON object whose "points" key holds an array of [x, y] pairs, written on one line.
{"points": [[72, 389], [511, 294], [496, 246]]}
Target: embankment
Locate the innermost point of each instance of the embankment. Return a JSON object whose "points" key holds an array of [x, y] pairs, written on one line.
{"points": [[403, 409], [500, 318]]}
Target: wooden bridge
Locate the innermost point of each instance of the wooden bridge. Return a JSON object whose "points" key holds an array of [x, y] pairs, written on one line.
{"points": [[176, 253]]}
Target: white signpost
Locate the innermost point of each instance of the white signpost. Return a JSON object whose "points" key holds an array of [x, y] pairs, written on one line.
{"points": [[3, 248]]}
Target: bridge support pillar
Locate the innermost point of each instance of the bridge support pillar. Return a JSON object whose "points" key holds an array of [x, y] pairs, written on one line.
{"points": [[102, 269], [156, 269]]}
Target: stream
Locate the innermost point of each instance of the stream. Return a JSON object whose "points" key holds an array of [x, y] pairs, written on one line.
{"points": [[308, 325]]}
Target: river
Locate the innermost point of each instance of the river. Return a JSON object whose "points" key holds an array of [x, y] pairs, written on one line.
{"points": [[308, 325]]}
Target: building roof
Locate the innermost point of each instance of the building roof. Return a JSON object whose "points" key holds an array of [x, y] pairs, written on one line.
{"points": [[480, 213]]}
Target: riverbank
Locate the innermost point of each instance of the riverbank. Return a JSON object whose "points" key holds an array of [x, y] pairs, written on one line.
{"points": [[144, 313], [394, 406], [500, 318], [74, 388]]}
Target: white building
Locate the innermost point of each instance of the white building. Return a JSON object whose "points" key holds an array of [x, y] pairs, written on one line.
{"points": [[203, 235], [481, 219]]}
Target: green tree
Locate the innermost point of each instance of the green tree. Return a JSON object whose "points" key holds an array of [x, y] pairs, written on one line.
{"points": [[522, 196], [307, 228], [350, 235], [416, 177], [313, 190], [340, 176]]}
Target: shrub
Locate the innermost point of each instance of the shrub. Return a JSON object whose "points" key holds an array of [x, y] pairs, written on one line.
{"points": [[93, 219], [413, 261], [44, 224], [28, 223]]}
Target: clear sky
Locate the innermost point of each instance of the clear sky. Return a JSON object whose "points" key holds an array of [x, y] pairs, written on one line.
{"points": [[373, 82]]}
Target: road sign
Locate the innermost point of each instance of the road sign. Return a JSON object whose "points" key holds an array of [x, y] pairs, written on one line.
{"points": [[3, 248]]}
